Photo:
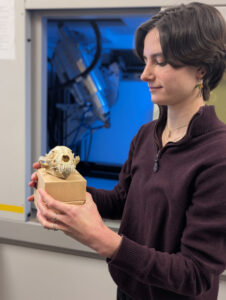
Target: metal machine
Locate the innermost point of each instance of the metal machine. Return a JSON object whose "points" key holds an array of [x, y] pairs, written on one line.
{"points": [[88, 92]]}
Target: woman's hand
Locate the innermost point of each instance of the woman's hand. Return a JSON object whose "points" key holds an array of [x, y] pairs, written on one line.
{"points": [[34, 179], [81, 222]]}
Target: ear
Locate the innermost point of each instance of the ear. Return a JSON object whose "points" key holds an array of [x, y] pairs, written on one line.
{"points": [[201, 72]]}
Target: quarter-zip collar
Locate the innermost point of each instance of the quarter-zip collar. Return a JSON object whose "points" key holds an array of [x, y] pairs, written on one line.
{"points": [[160, 125], [203, 121]]}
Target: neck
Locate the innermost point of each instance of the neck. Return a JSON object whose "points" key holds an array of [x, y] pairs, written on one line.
{"points": [[181, 114]]}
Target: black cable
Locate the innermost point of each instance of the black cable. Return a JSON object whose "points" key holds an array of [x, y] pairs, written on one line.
{"points": [[93, 63], [97, 54]]}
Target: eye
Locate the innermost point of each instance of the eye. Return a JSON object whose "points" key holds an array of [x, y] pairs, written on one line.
{"points": [[160, 62]]}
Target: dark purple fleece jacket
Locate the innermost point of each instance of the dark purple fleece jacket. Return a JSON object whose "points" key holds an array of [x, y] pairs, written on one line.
{"points": [[172, 202]]}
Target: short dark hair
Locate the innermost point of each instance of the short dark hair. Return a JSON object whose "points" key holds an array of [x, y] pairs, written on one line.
{"points": [[192, 34]]}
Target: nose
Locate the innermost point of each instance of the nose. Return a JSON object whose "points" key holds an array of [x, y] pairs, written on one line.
{"points": [[148, 73]]}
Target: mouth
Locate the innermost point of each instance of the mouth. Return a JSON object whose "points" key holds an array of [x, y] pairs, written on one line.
{"points": [[154, 88]]}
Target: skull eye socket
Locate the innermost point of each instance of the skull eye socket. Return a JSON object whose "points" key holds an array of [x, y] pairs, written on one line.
{"points": [[65, 158]]}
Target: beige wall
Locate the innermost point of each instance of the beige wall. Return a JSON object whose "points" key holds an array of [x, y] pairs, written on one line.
{"points": [[218, 99]]}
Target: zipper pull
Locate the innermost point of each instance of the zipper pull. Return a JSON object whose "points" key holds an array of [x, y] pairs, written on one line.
{"points": [[156, 163]]}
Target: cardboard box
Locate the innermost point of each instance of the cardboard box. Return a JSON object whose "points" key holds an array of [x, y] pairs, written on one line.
{"points": [[71, 190]]}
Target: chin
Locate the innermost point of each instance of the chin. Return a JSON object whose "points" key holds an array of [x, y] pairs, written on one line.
{"points": [[159, 101]]}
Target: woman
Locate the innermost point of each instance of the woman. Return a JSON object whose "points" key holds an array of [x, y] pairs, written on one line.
{"points": [[171, 191]]}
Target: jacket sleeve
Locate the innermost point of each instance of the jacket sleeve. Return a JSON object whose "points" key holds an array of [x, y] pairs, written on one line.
{"points": [[202, 255], [110, 204]]}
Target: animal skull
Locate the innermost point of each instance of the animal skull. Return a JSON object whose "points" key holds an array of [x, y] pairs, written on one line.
{"points": [[59, 162]]}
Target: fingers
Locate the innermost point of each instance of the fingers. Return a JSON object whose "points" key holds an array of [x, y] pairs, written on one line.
{"points": [[53, 204], [33, 184], [30, 198], [49, 224], [34, 176], [48, 218], [36, 165], [34, 180], [44, 208]]}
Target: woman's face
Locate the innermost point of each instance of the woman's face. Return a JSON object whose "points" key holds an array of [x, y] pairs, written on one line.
{"points": [[168, 86]]}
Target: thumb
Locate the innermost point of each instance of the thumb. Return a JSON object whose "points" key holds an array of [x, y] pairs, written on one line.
{"points": [[89, 197], [45, 196]]}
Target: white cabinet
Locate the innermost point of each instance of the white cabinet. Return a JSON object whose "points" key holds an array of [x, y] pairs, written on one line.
{"points": [[29, 273]]}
